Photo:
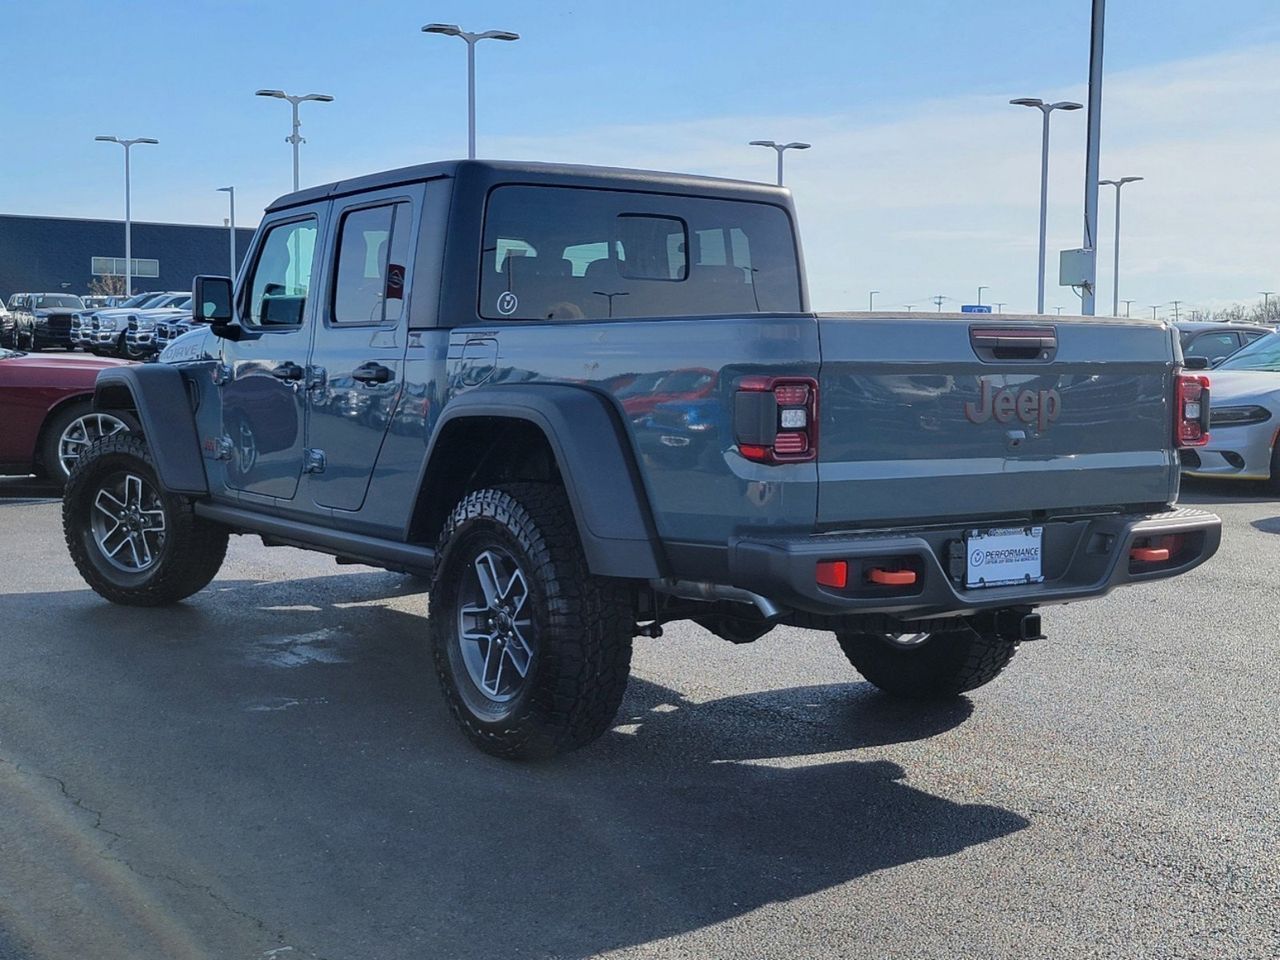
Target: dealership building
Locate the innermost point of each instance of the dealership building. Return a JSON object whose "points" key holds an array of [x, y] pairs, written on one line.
{"points": [[65, 255]]}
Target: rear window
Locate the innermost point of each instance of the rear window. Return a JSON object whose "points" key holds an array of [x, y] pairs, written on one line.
{"points": [[560, 253]]}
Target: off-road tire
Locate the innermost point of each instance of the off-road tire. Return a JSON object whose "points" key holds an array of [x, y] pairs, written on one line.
{"points": [[582, 625], [193, 548], [941, 667]]}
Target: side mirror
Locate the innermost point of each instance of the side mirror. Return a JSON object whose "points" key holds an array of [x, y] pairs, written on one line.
{"points": [[1195, 363], [211, 299]]}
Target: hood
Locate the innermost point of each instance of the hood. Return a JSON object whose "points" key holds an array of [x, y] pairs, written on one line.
{"points": [[66, 371], [1233, 387]]}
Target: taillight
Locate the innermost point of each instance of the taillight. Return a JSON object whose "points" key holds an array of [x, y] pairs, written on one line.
{"points": [[1191, 411], [776, 419]]}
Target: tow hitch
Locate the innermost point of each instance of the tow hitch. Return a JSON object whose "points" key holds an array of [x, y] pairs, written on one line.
{"points": [[1020, 625]]}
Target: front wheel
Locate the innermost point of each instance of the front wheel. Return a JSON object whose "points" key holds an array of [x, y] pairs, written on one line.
{"points": [[134, 543], [531, 650], [928, 666]]}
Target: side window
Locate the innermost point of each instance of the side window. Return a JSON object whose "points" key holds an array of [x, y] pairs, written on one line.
{"points": [[373, 253], [1212, 345], [564, 253], [282, 275]]}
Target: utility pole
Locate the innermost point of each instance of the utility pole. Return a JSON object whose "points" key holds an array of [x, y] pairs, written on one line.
{"points": [[1127, 305], [231, 224], [781, 148], [128, 216], [938, 300], [1115, 278], [1176, 315], [1045, 109], [1092, 150], [295, 137], [453, 30]]}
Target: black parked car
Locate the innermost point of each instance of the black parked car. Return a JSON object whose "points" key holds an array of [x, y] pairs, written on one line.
{"points": [[44, 320], [1216, 341]]}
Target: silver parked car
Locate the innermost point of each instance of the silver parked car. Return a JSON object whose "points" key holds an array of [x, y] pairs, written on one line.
{"points": [[1245, 418]]}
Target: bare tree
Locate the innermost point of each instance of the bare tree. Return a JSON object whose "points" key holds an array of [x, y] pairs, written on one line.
{"points": [[106, 286]]}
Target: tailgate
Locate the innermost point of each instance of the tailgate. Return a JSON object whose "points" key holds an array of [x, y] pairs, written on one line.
{"points": [[948, 417]]}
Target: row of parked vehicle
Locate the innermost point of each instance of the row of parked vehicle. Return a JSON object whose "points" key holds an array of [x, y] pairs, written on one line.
{"points": [[134, 328]]}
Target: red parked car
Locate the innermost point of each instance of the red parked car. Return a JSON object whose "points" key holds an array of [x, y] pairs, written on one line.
{"points": [[47, 412]]}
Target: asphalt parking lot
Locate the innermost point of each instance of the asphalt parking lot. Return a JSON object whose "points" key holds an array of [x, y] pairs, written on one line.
{"points": [[268, 771]]}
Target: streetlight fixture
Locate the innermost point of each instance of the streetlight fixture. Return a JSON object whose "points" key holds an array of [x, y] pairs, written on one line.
{"points": [[1000, 306], [1154, 308], [1115, 294], [128, 218], [781, 148], [980, 289], [1059, 309], [1128, 304], [231, 224], [453, 30], [295, 138], [871, 300], [1266, 301], [1045, 109]]}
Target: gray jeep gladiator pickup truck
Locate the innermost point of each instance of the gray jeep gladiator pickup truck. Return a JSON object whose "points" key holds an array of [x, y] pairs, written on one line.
{"points": [[587, 402]]}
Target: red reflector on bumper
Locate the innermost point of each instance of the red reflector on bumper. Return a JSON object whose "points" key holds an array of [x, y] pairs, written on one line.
{"points": [[833, 573], [891, 578], [1149, 554]]}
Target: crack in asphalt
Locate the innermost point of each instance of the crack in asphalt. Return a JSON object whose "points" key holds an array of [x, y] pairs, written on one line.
{"points": [[107, 854]]}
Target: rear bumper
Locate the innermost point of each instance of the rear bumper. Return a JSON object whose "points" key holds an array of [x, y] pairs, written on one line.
{"points": [[1082, 558]]}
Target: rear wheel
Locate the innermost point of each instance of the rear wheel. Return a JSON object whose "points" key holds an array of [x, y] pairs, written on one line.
{"points": [[531, 650], [928, 666], [134, 543]]}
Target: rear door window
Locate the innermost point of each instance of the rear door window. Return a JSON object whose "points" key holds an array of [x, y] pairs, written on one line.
{"points": [[1212, 345], [373, 247], [561, 253]]}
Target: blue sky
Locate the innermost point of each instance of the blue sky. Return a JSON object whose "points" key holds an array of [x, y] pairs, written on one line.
{"points": [[921, 179]]}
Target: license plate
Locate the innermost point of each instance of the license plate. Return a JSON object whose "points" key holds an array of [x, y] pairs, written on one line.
{"points": [[1005, 556]]}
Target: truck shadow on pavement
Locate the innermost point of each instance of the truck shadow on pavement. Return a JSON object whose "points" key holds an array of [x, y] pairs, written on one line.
{"points": [[330, 783]]}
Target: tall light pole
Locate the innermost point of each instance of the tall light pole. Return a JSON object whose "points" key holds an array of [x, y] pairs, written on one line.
{"points": [[231, 224], [295, 138], [1266, 300], [1045, 109], [1154, 308], [871, 300], [1059, 309], [1115, 270], [980, 289], [781, 148], [1000, 307], [453, 30], [1127, 305], [1092, 149], [128, 216]]}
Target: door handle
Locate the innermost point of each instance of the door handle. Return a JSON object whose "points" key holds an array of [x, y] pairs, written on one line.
{"points": [[371, 373], [288, 371]]}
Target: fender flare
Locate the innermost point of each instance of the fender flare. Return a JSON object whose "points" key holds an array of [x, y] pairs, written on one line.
{"points": [[158, 395], [596, 460]]}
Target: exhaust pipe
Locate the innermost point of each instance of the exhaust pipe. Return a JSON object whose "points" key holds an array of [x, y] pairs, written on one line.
{"points": [[697, 590]]}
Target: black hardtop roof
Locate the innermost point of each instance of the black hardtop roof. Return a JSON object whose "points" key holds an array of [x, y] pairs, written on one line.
{"points": [[563, 174]]}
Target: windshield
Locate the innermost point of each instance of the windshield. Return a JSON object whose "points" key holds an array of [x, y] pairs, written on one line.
{"points": [[1262, 354], [58, 300], [138, 299]]}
